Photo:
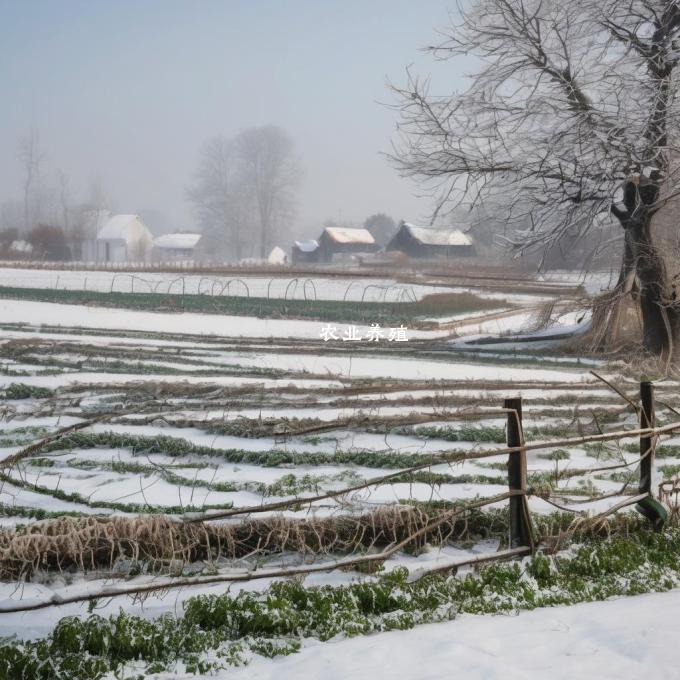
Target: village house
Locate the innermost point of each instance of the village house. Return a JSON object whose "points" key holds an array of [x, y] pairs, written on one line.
{"points": [[430, 242], [344, 241], [305, 251], [174, 247], [123, 238]]}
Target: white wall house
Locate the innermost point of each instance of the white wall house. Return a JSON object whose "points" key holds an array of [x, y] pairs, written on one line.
{"points": [[175, 247], [123, 238]]}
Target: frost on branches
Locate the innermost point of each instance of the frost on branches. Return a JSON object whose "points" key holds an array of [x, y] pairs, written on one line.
{"points": [[569, 123]]}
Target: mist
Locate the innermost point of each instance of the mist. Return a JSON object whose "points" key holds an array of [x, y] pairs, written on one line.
{"points": [[123, 96]]}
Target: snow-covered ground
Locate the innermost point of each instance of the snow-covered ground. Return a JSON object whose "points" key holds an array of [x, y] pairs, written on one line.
{"points": [[593, 282], [276, 286], [219, 366], [76, 316], [406, 368], [202, 378], [353, 289], [625, 639]]}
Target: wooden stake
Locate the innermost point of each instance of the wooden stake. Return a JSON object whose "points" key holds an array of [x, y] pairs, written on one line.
{"points": [[647, 441], [520, 534]]}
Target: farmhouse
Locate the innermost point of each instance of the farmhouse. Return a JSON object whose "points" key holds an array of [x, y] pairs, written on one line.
{"points": [[180, 246], [123, 238], [305, 251], [428, 242], [343, 240]]}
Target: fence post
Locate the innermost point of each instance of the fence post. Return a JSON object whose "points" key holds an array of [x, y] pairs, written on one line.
{"points": [[647, 442], [654, 511], [520, 530]]}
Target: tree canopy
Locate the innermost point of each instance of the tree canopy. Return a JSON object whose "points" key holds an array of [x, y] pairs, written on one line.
{"points": [[570, 121]]}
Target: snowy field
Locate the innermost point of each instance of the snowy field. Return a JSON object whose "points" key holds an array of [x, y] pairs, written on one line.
{"points": [[594, 640], [275, 287], [213, 389], [187, 414], [49, 314]]}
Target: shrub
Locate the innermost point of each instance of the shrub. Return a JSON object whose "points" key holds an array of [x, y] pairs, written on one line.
{"points": [[49, 243], [23, 391]]}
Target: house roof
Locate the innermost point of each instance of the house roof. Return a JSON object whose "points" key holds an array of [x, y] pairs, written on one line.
{"points": [[177, 241], [347, 235], [307, 246], [431, 236], [124, 227]]}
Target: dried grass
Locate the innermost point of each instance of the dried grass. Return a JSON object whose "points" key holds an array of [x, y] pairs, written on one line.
{"points": [[96, 543]]}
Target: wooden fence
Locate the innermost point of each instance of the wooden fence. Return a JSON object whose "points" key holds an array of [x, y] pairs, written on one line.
{"points": [[521, 533]]}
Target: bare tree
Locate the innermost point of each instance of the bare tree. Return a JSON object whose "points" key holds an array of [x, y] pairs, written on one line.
{"points": [[222, 201], [97, 196], [64, 200], [32, 157], [243, 189], [570, 121], [272, 171]]}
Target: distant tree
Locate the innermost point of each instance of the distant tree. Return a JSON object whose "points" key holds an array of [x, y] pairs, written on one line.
{"points": [[11, 215], [89, 216], [272, 172], [32, 157], [381, 226], [98, 198], [49, 243], [243, 190], [64, 200], [222, 202]]}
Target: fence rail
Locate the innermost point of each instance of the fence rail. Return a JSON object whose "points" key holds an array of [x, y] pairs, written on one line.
{"points": [[522, 540]]}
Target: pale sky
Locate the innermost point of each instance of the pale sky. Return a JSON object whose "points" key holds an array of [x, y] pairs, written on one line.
{"points": [[126, 91]]}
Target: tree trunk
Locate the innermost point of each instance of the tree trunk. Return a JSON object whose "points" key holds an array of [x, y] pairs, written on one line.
{"points": [[264, 235], [627, 264], [660, 318]]}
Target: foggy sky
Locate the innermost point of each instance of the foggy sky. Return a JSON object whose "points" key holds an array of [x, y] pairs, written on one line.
{"points": [[125, 92]]}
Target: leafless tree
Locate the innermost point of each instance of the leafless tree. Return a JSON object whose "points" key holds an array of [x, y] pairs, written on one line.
{"points": [[64, 200], [271, 169], [222, 201], [97, 196], [570, 121], [243, 189], [32, 157]]}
